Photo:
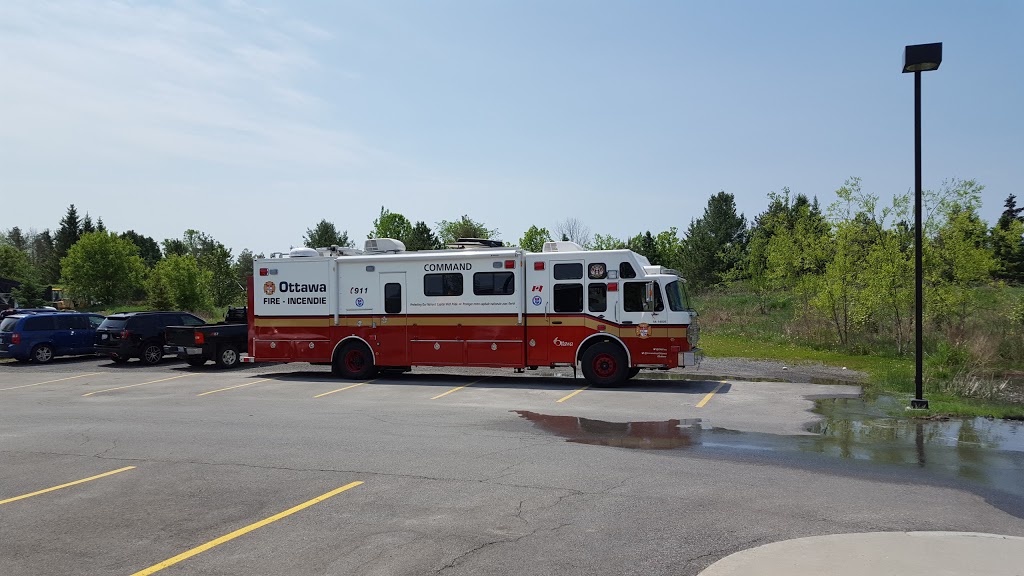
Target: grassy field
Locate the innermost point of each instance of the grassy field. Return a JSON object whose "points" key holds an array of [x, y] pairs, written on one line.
{"points": [[735, 324]]}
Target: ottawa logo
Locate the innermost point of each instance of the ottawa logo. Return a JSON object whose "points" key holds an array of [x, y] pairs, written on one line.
{"points": [[643, 330], [562, 343], [268, 288]]}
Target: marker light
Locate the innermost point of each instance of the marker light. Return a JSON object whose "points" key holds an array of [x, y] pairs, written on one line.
{"points": [[264, 271], [510, 263], [613, 286], [538, 265]]}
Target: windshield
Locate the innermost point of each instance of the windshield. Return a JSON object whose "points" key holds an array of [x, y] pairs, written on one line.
{"points": [[678, 299]]}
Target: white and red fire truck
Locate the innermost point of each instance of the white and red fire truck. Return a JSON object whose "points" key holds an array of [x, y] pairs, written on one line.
{"points": [[476, 303]]}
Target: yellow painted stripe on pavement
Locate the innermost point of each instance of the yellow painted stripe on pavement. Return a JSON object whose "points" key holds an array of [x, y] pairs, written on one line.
{"points": [[342, 389], [564, 398], [458, 388], [242, 531], [23, 496], [233, 387], [710, 394], [142, 384], [51, 381]]}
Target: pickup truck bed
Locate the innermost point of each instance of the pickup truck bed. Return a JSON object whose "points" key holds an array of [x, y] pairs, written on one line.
{"points": [[221, 342]]}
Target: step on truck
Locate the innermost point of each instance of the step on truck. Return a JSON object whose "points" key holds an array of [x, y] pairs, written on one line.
{"points": [[475, 304], [223, 342]]}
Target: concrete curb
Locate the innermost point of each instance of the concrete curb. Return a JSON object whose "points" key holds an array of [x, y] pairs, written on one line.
{"points": [[881, 554]]}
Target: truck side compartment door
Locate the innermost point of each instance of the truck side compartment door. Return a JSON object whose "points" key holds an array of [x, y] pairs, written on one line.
{"points": [[391, 337]]}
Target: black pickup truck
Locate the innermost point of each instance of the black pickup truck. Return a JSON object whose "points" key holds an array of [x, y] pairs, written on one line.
{"points": [[221, 342]]}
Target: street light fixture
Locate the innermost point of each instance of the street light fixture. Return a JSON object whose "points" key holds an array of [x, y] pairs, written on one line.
{"points": [[919, 58]]}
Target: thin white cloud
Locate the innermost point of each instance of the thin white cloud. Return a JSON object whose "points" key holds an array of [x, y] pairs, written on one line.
{"points": [[92, 82]]}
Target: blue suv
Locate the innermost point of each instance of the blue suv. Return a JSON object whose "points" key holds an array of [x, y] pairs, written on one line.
{"points": [[42, 336]]}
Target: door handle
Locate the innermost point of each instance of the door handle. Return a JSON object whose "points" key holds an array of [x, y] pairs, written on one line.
{"points": [[556, 321]]}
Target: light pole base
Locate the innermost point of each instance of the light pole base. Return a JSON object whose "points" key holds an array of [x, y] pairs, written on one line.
{"points": [[918, 404]]}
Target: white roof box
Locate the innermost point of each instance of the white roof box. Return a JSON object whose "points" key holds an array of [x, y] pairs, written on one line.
{"points": [[562, 246], [302, 252], [379, 245]]}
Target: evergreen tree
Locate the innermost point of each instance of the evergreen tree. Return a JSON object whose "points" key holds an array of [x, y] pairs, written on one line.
{"points": [[714, 244], [645, 245], [17, 239], [1008, 243], [87, 225], [100, 227], [43, 255], [422, 238], [69, 232], [325, 234], [149, 250]]}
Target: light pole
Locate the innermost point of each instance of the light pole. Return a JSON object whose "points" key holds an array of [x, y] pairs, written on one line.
{"points": [[919, 58]]}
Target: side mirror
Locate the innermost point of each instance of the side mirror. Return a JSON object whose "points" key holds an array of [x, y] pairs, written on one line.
{"points": [[649, 289]]}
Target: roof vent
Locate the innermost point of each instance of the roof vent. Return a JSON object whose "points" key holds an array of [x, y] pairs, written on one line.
{"points": [[303, 252], [380, 245]]}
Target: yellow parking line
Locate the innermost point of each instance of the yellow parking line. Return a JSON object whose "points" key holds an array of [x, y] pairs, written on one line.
{"points": [[233, 387], [242, 531], [23, 496], [458, 388], [142, 384], [342, 389], [564, 398], [710, 394], [52, 381]]}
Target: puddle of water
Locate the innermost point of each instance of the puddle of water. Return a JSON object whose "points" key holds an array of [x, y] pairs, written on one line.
{"points": [[982, 452]]}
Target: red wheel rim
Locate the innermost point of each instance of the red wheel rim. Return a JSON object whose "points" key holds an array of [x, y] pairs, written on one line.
{"points": [[605, 365], [354, 361]]}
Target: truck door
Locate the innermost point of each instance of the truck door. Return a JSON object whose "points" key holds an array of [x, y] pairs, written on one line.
{"points": [[555, 321], [391, 345]]}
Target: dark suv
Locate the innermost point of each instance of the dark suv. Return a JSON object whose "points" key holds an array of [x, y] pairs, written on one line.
{"points": [[138, 334]]}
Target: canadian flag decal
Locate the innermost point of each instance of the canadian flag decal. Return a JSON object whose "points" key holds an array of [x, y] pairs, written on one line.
{"points": [[537, 289]]}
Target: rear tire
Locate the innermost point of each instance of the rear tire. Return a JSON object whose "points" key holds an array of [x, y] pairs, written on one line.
{"points": [[42, 353], [605, 364], [227, 356], [152, 353], [354, 362], [195, 362]]}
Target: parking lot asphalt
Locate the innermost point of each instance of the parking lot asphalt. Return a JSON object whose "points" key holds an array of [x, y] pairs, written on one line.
{"points": [[284, 469]]}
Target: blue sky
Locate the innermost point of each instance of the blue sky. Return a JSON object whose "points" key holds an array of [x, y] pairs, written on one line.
{"points": [[252, 121]]}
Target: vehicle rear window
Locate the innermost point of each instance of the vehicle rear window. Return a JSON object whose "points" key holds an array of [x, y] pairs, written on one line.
{"points": [[8, 324], [113, 324]]}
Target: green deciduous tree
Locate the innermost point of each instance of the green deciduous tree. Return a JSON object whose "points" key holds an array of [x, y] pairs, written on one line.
{"points": [[325, 234], [44, 258], [422, 238], [606, 242], [533, 239], [14, 264], [101, 267], [179, 282], [391, 225], [213, 257], [464, 227]]}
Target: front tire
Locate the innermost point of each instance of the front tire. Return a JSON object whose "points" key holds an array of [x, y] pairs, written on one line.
{"points": [[152, 353], [354, 362], [42, 353], [227, 356], [605, 364]]}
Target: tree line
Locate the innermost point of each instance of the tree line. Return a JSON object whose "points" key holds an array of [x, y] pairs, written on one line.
{"points": [[848, 266]]}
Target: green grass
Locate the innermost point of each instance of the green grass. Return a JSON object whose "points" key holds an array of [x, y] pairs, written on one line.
{"points": [[886, 375]]}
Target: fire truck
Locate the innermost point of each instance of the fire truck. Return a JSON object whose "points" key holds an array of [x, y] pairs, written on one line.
{"points": [[475, 304]]}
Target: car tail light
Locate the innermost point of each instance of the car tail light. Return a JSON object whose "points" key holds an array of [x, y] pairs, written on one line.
{"points": [[15, 338], [199, 338], [126, 334]]}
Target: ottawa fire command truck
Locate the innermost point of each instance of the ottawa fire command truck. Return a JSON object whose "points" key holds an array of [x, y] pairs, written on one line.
{"points": [[476, 304]]}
